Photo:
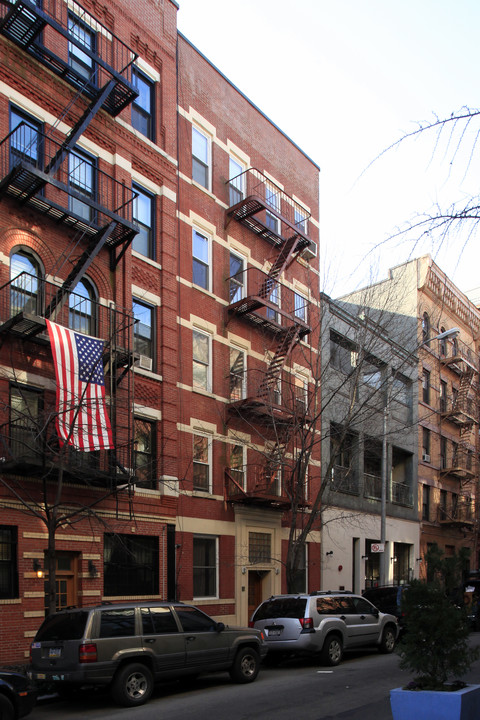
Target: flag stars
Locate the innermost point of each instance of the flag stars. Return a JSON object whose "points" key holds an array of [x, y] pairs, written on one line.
{"points": [[89, 352]]}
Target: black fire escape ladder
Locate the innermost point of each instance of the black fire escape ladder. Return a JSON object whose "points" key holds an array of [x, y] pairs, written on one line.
{"points": [[466, 383], [288, 339], [285, 257]]}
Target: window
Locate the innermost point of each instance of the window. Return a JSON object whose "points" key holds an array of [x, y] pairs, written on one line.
{"points": [[426, 386], [201, 361], [143, 206], [443, 453], [443, 343], [25, 142], [426, 502], [26, 405], [425, 445], [8, 562], [301, 394], [274, 297], [143, 105], [443, 505], [117, 622], [204, 567], [81, 316], [144, 454], [201, 260], [343, 353], [237, 374], [300, 307], [259, 547], [25, 285], [425, 328], [443, 396], [237, 464], [200, 158], [402, 390], [78, 59], [454, 454], [237, 182], [81, 179], [237, 289], [157, 621], [201, 463], [130, 565], [372, 372], [300, 219], [272, 198], [194, 620], [143, 329]]}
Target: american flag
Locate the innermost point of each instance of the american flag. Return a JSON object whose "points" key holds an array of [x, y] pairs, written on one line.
{"points": [[82, 419]]}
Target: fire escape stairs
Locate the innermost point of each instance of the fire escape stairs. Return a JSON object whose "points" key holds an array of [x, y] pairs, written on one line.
{"points": [[288, 339]]}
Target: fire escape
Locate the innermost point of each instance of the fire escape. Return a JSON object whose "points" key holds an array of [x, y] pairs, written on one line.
{"points": [[45, 172], [267, 398], [461, 410]]}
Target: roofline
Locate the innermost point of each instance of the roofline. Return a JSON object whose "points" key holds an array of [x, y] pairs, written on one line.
{"points": [[180, 34]]}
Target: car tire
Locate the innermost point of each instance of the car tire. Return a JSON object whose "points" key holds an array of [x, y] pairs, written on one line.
{"points": [[332, 651], [7, 711], [132, 685], [245, 666], [387, 643]]}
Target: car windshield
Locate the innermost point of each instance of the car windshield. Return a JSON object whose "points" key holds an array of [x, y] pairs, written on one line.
{"points": [[281, 608], [68, 626]]}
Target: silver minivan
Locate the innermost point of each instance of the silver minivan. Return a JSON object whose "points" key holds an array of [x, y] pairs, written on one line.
{"points": [[129, 646], [323, 623]]}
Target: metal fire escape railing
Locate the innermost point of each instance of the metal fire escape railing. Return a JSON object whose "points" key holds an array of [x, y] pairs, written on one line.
{"points": [[74, 45], [28, 444]]}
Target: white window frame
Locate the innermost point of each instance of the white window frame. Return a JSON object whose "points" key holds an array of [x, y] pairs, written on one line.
{"points": [[207, 264], [244, 473], [208, 163], [272, 193], [300, 312], [243, 285], [208, 464], [243, 392], [239, 185], [208, 364], [301, 220], [217, 574]]}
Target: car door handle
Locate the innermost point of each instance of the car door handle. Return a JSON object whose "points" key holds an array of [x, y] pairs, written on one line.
{"points": [[343, 617], [150, 640], [190, 638], [362, 617]]}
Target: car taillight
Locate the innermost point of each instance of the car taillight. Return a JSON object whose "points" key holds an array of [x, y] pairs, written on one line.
{"points": [[306, 623], [251, 623], [87, 653]]}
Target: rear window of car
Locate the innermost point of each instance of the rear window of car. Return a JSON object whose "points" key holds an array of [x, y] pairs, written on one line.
{"points": [[281, 608], [68, 626], [157, 620]]}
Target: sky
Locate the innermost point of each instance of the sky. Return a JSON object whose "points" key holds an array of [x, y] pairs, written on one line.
{"points": [[345, 80]]}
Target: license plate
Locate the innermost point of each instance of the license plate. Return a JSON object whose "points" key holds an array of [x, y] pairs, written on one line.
{"points": [[55, 652], [274, 633]]}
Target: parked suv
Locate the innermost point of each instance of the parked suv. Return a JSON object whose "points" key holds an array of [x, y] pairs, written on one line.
{"points": [[129, 646], [388, 599], [325, 623]]}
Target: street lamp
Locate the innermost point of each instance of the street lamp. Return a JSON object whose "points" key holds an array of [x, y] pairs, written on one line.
{"points": [[453, 332]]}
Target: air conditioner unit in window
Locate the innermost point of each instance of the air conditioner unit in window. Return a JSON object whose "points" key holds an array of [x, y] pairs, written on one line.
{"points": [[425, 457], [144, 362], [310, 252]]}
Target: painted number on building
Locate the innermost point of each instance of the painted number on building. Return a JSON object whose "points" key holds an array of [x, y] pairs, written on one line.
{"points": [[377, 547]]}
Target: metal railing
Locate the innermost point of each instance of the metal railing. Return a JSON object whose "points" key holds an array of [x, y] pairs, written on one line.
{"points": [[285, 394], [345, 480], [402, 494], [372, 486]]}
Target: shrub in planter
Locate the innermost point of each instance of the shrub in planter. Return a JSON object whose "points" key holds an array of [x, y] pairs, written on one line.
{"points": [[435, 647]]}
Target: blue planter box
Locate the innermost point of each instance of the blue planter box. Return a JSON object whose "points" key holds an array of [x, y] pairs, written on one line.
{"points": [[434, 705]]}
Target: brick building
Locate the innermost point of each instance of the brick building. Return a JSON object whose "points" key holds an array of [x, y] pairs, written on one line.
{"points": [[146, 202]]}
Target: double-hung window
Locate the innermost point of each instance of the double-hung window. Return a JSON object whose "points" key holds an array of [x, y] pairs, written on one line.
{"points": [[144, 453], [143, 206], [143, 329], [272, 199], [81, 177], [236, 182], [426, 386], [237, 464], [25, 141], [201, 463], [143, 105], [237, 374], [201, 150], [201, 260], [237, 278], [300, 307], [204, 566], [130, 564], [274, 297], [78, 59], [26, 405], [81, 313], [8, 562], [201, 361], [300, 219], [25, 284]]}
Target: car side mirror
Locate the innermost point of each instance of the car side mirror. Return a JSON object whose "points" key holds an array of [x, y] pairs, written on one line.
{"points": [[220, 627], [376, 612]]}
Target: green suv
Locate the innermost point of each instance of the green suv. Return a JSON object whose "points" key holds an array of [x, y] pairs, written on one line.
{"points": [[129, 646]]}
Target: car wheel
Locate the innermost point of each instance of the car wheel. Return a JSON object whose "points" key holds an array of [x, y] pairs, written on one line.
{"points": [[387, 643], [7, 711], [245, 666], [332, 650], [132, 685]]}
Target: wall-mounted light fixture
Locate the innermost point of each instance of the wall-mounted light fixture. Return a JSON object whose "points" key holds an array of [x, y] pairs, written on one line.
{"points": [[92, 570], [37, 568], [244, 570], [277, 571], [330, 552], [419, 560], [364, 557], [393, 559]]}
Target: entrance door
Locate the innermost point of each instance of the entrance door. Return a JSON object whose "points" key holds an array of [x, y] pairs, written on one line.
{"points": [[254, 590], [65, 581]]}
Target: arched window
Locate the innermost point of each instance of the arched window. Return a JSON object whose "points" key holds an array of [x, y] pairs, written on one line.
{"points": [[25, 283], [81, 303], [425, 328]]}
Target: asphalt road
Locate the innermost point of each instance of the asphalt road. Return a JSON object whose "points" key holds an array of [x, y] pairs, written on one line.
{"points": [[358, 689]]}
